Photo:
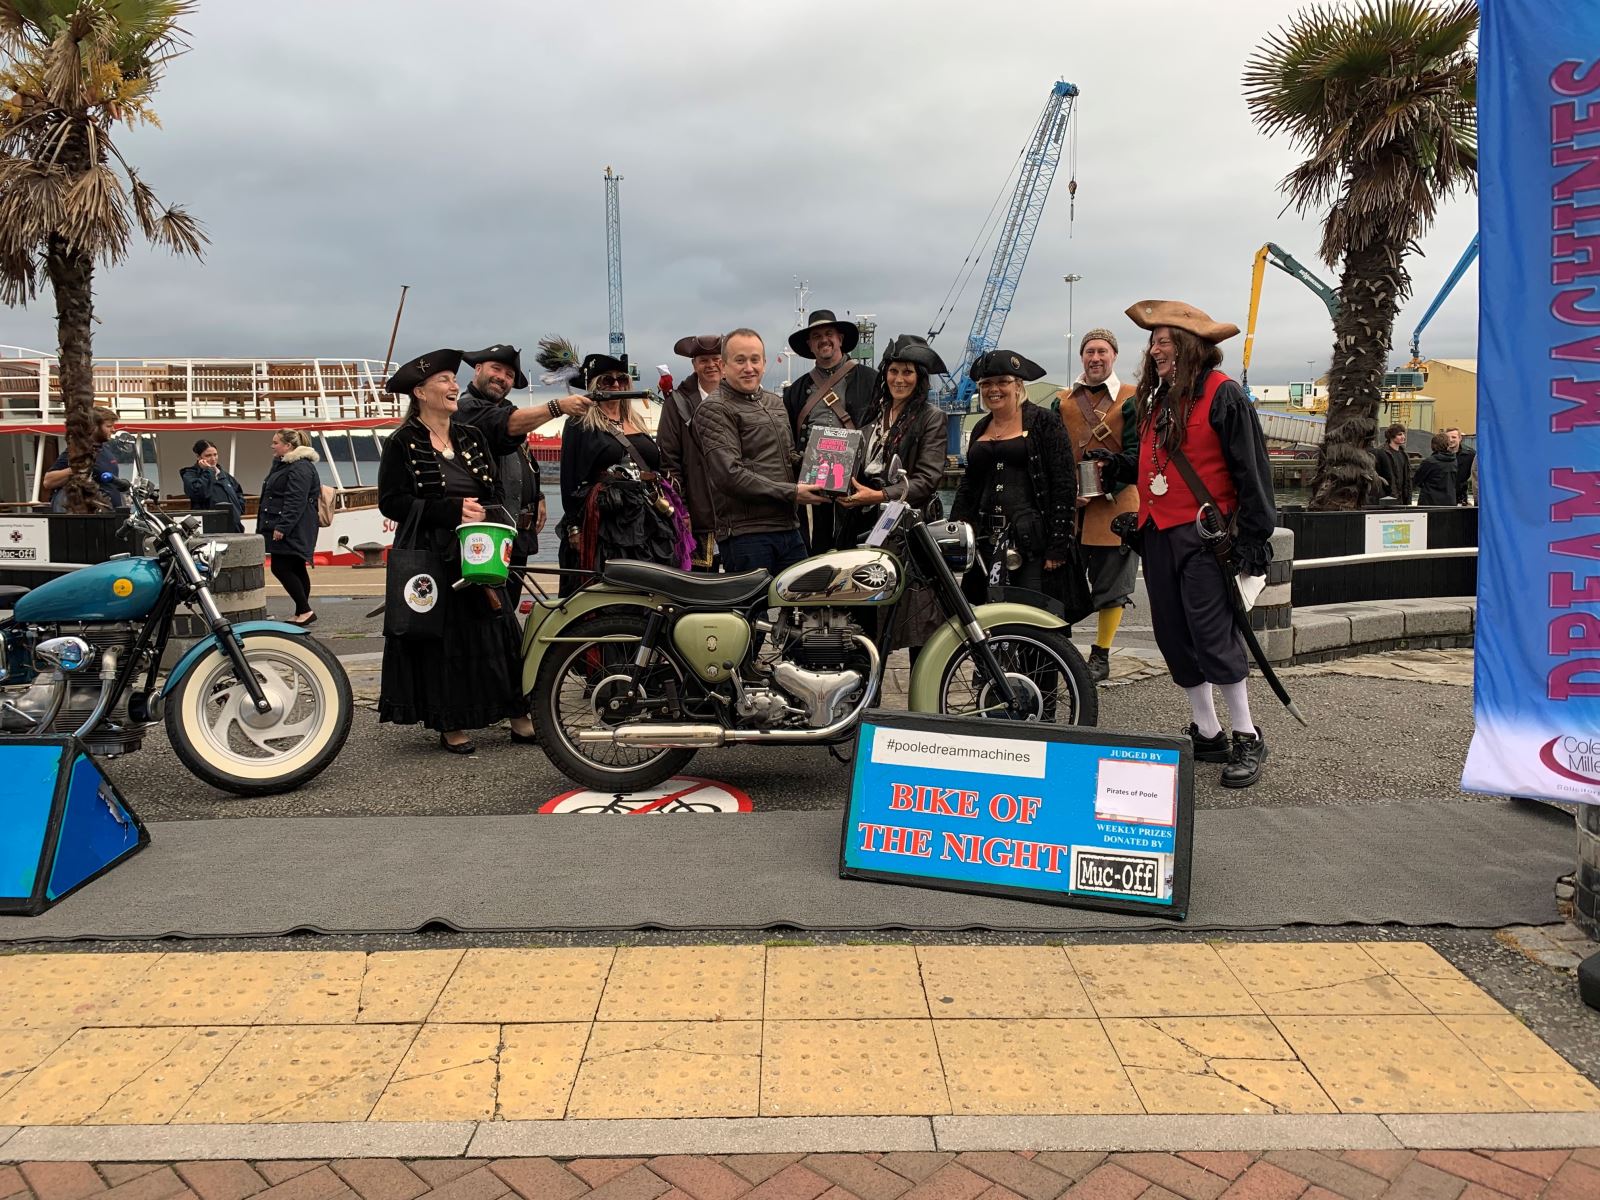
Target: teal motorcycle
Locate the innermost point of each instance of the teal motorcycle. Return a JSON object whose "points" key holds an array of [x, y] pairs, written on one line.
{"points": [[252, 708]]}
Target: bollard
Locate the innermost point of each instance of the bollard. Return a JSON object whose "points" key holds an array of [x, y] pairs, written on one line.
{"points": [[1586, 895], [239, 587], [1272, 616]]}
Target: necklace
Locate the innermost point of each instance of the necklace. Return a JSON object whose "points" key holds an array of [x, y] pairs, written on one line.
{"points": [[446, 451]]}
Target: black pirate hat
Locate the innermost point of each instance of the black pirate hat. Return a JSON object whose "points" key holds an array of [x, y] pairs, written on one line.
{"points": [[1005, 362], [420, 369], [597, 364], [697, 344], [908, 347], [849, 335], [499, 353]]}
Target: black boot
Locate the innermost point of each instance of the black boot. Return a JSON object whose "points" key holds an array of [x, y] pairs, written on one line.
{"points": [[1248, 752], [1099, 664], [1208, 749]]}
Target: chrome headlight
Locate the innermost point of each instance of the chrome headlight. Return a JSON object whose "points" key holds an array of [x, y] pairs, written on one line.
{"points": [[957, 544], [206, 554]]}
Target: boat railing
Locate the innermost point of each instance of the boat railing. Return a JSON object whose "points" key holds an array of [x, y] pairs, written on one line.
{"points": [[258, 390]]}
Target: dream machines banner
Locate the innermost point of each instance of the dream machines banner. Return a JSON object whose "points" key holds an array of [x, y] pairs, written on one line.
{"points": [[1538, 641]]}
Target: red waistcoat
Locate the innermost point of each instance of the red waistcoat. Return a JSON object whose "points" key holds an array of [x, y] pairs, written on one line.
{"points": [[1203, 449]]}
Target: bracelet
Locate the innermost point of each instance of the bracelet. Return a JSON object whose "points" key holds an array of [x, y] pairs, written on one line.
{"points": [[555, 408]]}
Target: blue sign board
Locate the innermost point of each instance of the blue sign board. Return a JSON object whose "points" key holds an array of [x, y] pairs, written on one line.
{"points": [[1053, 813]]}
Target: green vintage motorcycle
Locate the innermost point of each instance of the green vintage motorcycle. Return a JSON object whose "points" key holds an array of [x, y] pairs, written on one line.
{"points": [[645, 665]]}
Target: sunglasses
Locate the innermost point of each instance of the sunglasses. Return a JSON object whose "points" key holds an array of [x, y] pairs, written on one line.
{"points": [[612, 381]]}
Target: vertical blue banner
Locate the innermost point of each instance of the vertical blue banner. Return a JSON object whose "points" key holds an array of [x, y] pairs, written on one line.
{"points": [[1537, 699]]}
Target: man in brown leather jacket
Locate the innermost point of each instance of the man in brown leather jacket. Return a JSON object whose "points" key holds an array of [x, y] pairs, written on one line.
{"points": [[1098, 413], [682, 444]]}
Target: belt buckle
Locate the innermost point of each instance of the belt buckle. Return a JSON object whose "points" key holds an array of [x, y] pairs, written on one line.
{"points": [[1100, 432]]}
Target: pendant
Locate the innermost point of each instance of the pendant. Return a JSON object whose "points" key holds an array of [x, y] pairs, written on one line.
{"points": [[449, 456], [1158, 484]]}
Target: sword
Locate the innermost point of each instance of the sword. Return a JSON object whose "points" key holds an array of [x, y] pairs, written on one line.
{"points": [[1241, 615]]}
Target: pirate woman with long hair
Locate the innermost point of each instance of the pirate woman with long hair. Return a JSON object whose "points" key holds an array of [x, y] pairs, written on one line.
{"points": [[1204, 482]]}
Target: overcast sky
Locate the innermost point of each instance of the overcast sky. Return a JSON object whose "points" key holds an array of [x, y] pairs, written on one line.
{"points": [[336, 149]]}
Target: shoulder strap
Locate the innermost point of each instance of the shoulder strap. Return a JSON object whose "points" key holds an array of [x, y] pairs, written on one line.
{"points": [[822, 391]]}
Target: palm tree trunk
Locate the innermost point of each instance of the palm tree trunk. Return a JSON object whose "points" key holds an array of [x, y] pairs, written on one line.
{"points": [[72, 280], [1369, 294]]}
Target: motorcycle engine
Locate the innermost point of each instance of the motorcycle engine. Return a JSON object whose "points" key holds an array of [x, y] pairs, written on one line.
{"points": [[27, 701], [821, 666]]}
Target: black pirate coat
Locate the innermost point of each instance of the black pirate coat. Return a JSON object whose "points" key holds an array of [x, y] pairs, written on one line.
{"points": [[410, 470]]}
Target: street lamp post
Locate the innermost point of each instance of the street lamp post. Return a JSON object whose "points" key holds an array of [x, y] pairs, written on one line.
{"points": [[1069, 280]]}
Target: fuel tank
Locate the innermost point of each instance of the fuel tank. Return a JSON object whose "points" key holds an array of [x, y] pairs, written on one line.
{"points": [[864, 576], [123, 589]]}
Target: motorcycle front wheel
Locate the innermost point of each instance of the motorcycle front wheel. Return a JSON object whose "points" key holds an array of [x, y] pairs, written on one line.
{"points": [[215, 729], [570, 694], [1042, 664]]}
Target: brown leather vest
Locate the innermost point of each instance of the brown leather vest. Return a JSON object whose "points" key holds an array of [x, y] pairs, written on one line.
{"points": [[1098, 427]]}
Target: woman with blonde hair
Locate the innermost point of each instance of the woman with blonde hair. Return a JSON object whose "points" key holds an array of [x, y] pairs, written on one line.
{"points": [[287, 517]]}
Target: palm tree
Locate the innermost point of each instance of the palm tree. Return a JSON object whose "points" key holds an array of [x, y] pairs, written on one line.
{"points": [[1380, 96], [71, 72]]}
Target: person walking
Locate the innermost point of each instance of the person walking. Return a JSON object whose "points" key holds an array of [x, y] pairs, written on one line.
{"points": [[208, 486], [1393, 465], [440, 473], [1466, 466], [683, 454], [1201, 451], [1098, 414], [1437, 484], [287, 517], [834, 394]]}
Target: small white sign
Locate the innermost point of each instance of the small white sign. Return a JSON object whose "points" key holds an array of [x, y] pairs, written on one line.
{"points": [[1395, 533], [1142, 793], [887, 520], [24, 540], [958, 752]]}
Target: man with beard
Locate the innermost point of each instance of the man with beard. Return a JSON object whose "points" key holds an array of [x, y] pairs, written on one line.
{"points": [[683, 457], [836, 393], [497, 370]]}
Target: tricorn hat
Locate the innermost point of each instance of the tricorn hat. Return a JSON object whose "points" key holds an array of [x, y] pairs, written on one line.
{"points": [[1148, 314], [908, 347], [697, 344], [597, 364], [1005, 362], [499, 353], [422, 368], [849, 335]]}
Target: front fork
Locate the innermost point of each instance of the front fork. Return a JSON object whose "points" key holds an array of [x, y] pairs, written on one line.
{"points": [[955, 601], [221, 627]]}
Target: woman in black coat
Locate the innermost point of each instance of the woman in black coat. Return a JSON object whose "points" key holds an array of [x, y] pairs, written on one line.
{"points": [[1436, 475], [469, 676], [208, 486], [1019, 478], [287, 518]]}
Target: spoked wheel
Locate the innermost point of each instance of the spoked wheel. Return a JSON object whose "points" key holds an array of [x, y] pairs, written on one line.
{"points": [[1042, 664], [581, 687], [219, 735]]}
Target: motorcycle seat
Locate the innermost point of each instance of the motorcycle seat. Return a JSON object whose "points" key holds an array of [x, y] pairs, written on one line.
{"points": [[10, 593], [684, 587]]}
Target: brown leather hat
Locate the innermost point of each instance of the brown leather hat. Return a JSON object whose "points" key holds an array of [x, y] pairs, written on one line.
{"points": [[697, 344], [1148, 314]]}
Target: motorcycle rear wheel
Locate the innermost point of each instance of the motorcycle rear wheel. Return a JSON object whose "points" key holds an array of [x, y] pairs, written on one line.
{"points": [[215, 732], [1042, 662], [563, 698]]}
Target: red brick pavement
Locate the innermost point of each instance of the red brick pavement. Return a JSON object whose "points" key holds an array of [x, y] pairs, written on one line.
{"points": [[1280, 1175]]}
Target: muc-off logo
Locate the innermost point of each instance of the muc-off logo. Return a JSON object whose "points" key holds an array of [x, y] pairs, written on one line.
{"points": [[1575, 758]]}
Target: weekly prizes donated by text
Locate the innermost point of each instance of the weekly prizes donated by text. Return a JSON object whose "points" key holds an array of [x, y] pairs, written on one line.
{"points": [[1061, 814]]}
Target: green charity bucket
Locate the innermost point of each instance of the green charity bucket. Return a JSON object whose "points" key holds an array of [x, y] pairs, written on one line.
{"points": [[485, 551]]}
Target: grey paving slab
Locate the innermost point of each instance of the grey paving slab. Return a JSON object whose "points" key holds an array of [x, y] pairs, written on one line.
{"points": [[1315, 630], [1496, 1131], [701, 1135], [1370, 621], [1435, 615], [5, 1134], [1170, 1133], [163, 1143]]}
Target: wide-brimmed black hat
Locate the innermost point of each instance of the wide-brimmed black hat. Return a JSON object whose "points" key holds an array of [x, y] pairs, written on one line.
{"points": [[499, 353], [908, 347], [697, 344], [597, 364], [1005, 362], [422, 368], [849, 335]]}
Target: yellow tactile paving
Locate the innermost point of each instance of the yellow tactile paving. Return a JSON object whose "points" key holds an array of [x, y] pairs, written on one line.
{"points": [[1396, 1065], [285, 987], [1564, 1092], [401, 986], [538, 1064], [1001, 981], [685, 983], [94, 1067], [301, 1073], [1317, 978], [158, 1095], [1505, 1045], [1186, 1043], [448, 1074], [807, 983], [1020, 1066], [1172, 980], [22, 1050], [670, 1069], [851, 1068], [1450, 997], [1410, 958], [521, 986], [64, 991], [1287, 1086]]}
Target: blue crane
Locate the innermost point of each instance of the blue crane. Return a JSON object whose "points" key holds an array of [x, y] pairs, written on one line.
{"points": [[618, 344], [1040, 157], [1467, 257]]}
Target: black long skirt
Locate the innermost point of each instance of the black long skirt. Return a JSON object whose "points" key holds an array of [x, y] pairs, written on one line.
{"points": [[468, 679]]}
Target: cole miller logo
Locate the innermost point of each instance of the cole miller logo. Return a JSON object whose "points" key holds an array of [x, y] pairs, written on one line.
{"points": [[1575, 758]]}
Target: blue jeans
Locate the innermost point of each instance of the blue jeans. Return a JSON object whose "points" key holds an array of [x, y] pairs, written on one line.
{"points": [[754, 551]]}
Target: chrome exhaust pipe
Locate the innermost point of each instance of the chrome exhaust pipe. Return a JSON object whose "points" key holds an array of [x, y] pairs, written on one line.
{"points": [[656, 736]]}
